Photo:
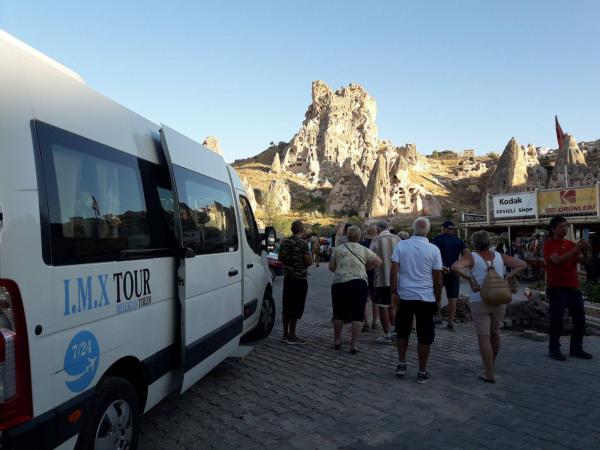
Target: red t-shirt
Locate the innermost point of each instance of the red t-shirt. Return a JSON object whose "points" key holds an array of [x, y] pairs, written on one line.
{"points": [[565, 274]]}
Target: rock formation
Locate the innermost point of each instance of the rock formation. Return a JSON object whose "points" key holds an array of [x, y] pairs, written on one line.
{"points": [[337, 158], [409, 152], [510, 174], [212, 143], [276, 164], [425, 204], [470, 168], [347, 193], [573, 159], [325, 184], [337, 126], [376, 200], [338, 142], [400, 197], [279, 194], [518, 170], [250, 194]]}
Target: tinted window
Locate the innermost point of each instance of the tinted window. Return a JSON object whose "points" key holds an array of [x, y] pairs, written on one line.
{"points": [[207, 213], [160, 202], [96, 202], [250, 228]]}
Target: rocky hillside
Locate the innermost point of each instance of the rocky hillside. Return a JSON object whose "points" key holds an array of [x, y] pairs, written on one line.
{"points": [[336, 163], [519, 168]]}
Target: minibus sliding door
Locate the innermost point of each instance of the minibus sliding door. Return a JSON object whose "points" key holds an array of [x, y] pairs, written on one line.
{"points": [[209, 270]]}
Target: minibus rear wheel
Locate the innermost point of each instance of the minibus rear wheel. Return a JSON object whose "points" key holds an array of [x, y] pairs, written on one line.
{"points": [[113, 419]]}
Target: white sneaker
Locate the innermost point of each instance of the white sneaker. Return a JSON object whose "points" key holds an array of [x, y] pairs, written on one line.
{"points": [[384, 339]]}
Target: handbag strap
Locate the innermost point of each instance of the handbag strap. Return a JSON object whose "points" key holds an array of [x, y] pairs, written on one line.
{"points": [[357, 257], [491, 266]]}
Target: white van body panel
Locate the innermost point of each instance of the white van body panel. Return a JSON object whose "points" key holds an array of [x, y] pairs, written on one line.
{"points": [[257, 274], [211, 293], [68, 104], [187, 153], [36, 88], [20, 239], [14, 42]]}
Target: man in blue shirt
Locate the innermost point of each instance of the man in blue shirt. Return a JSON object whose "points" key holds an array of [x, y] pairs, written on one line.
{"points": [[451, 249]]}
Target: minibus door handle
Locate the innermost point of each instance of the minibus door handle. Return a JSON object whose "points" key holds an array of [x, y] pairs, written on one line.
{"points": [[233, 272], [249, 266]]}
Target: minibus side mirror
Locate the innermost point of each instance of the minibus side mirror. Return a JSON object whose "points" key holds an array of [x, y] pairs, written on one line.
{"points": [[268, 241]]}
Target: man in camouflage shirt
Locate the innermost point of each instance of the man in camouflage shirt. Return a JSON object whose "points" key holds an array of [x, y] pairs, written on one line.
{"points": [[295, 256]]}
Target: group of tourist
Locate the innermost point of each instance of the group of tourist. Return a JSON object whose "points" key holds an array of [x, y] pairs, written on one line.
{"points": [[404, 277]]}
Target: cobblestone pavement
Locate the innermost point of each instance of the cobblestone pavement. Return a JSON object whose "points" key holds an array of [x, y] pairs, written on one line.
{"points": [[311, 396]]}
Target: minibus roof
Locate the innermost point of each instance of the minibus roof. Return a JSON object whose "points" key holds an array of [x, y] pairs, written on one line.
{"points": [[40, 56]]}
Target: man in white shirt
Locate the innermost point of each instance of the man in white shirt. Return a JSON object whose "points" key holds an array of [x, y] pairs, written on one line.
{"points": [[416, 274], [383, 245]]}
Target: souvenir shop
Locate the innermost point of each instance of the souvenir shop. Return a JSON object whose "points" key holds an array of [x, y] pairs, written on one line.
{"points": [[519, 224]]}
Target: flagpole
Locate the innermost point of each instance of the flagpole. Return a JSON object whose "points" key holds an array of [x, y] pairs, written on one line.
{"points": [[560, 139]]}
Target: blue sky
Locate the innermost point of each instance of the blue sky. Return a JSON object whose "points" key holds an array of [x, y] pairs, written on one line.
{"points": [[445, 74]]}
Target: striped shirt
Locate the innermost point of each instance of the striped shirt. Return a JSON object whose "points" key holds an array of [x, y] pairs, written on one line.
{"points": [[383, 246]]}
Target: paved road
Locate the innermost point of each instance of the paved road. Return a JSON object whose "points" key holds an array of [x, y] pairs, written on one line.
{"points": [[312, 396]]}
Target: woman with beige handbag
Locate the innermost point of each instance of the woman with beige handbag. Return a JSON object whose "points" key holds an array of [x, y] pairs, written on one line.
{"points": [[485, 271]]}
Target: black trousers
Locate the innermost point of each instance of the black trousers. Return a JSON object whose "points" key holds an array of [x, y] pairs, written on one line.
{"points": [[561, 298], [294, 298]]}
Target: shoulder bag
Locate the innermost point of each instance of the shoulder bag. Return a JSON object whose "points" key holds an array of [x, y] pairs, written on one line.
{"points": [[495, 290]]}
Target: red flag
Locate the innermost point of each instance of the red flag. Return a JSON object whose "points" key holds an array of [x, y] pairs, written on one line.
{"points": [[559, 133]]}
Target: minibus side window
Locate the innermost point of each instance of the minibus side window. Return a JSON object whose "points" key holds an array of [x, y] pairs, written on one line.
{"points": [[96, 202], [250, 228], [160, 202], [207, 213]]}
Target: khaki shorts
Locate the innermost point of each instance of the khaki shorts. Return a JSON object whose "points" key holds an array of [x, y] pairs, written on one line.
{"points": [[487, 319]]}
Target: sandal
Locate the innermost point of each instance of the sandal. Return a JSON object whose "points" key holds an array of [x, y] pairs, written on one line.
{"points": [[354, 351], [482, 377], [337, 346]]}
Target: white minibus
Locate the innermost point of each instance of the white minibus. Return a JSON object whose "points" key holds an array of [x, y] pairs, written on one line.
{"points": [[130, 261]]}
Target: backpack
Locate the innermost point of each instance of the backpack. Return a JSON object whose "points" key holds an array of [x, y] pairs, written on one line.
{"points": [[495, 290]]}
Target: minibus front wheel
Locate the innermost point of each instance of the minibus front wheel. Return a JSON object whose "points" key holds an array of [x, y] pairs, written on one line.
{"points": [[113, 419], [266, 320]]}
